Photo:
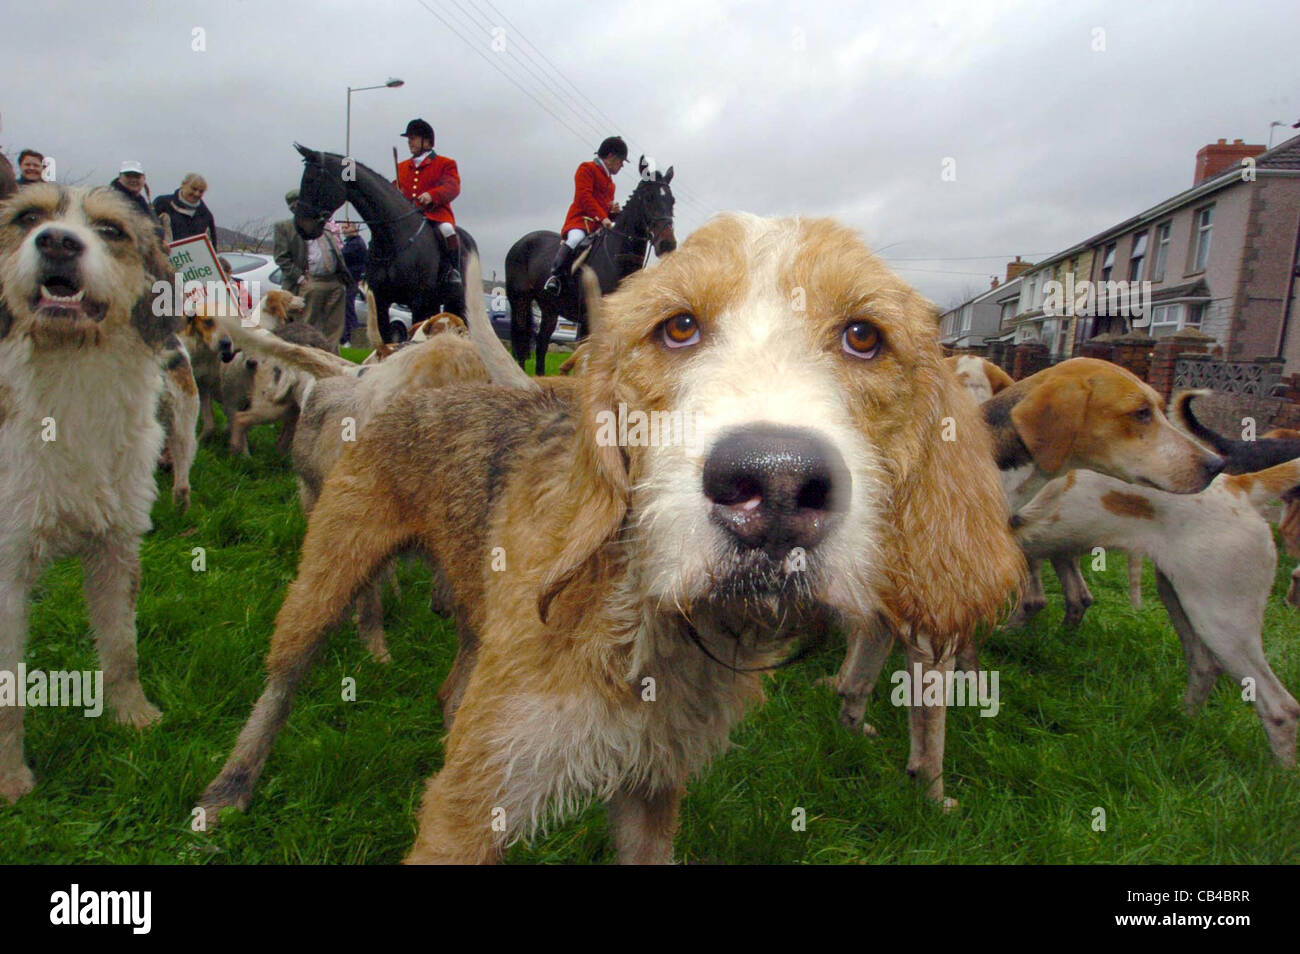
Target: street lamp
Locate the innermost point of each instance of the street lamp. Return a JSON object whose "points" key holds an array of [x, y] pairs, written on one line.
{"points": [[390, 84], [1274, 125]]}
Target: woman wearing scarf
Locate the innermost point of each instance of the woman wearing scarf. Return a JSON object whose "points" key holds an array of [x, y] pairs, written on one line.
{"points": [[185, 210]]}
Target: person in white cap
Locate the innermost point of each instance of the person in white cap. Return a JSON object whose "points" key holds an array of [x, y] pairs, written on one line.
{"points": [[130, 183]]}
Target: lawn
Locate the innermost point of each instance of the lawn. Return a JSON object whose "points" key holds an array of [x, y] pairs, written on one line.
{"points": [[1089, 719]]}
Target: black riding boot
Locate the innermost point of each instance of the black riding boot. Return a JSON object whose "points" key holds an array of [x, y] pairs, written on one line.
{"points": [[563, 256], [451, 266]]}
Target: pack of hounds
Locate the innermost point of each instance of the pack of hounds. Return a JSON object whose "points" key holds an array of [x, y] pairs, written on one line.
{"points": [[921, 493]]}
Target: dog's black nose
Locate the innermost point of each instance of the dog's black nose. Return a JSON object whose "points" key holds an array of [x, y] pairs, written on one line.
{"points": [[775, 488], [59, 243]]}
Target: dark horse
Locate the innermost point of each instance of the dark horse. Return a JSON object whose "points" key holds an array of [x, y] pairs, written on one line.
{"points": [[646, 219], [405, 254]]}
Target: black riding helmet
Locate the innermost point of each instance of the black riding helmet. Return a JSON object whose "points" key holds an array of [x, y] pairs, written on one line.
{"points": [[418, 127], [613, 146]]}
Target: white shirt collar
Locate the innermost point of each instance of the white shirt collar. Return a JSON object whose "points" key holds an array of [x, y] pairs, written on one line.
{"points": [[419, 160]]}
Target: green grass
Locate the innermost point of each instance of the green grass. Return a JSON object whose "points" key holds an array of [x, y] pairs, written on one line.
{"points": [[1089, 719]]}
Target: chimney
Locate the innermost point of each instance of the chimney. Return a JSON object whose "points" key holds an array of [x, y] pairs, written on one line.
{"points": [[1016, 267], [1217, 156], [993, 282]]}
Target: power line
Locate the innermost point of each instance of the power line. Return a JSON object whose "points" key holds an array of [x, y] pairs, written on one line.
{"points": [[594, 116], [458, 25]]}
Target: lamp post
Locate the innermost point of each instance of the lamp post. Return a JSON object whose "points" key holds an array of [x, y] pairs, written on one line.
{"points": [[390, 84]]}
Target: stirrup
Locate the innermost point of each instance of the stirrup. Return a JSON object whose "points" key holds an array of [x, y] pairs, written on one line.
{"points": [[552, 285]]}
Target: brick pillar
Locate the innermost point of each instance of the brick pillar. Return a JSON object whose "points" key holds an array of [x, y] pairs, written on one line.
{"points": [[1189, 343], [1102, 350], [994, 352], [1133, 353], [1030, 359]]}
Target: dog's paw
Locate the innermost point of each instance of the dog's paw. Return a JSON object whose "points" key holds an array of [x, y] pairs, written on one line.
{"points": [[947, 804], [139, 713], [851, 718], [14, 785], [181, 497]]}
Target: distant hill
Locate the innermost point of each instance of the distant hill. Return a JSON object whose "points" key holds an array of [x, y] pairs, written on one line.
{"points": [[230, 240]]}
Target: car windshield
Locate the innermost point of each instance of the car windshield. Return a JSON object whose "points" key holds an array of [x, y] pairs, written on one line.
{"points": [[242, 263]]}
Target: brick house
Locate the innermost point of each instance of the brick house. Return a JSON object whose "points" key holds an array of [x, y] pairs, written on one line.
{"points": [[1221, 256], [969, 325]]}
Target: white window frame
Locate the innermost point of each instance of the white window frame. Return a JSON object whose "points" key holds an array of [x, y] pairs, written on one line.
{"points": [[1137, 257], [1108, 261], [1164, 234], [1204, 225]]}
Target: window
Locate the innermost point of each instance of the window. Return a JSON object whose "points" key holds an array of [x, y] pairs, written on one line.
{"points": [[1108, 263], [965, 317], [1163, 232], [1204, 223], [1137, 257], [1166, 319]]}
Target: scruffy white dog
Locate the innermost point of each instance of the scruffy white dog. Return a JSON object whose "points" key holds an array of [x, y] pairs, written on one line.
{"points": [[80, 379]]}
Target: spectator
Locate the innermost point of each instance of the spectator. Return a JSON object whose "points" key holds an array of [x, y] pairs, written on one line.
{"points": [[30, 164], [354, 256], [315, 270], [130, 183], [186, 211]]}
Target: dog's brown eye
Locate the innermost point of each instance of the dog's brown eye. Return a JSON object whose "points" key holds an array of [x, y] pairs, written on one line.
{"points": [[109, 230], [29, 217], [680, 331], [1142, 415], [861, 339]]}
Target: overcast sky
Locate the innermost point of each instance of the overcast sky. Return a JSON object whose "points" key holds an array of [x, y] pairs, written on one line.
{"points": [[818, 108]]}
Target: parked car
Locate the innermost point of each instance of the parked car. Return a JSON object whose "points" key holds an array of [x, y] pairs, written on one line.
{"points": [[257, 272], [566, 332]]}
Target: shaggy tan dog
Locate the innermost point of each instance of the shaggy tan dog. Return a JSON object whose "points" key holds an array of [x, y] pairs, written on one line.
{"points": [[619, 592], [80, 379]]}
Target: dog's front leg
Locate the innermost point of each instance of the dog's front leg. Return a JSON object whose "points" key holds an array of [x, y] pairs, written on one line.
{"points": [[182, 446], [205, 414], [1032, 600], [1073, 588], [16, 779], [112, 582], [644, 825], [868, 649], [927, 721]]}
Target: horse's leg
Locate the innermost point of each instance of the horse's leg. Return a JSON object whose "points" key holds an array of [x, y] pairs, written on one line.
{"points": [[381, 317], [544, 331], [521, 320]]}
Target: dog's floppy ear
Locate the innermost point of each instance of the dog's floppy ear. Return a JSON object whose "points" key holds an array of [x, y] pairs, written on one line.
{"points": [[1049, 420], [951, 563], [153, 327], [598, 484]]}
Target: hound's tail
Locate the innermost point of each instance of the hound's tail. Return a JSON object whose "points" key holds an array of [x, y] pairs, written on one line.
{"points": [[500, 365], [1181, 411], [312, 361], [372, 321], [1264, 487]]}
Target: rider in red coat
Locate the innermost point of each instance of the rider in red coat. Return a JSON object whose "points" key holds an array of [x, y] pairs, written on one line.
{"points": [[593, 205], [431, 181]]}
